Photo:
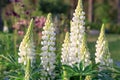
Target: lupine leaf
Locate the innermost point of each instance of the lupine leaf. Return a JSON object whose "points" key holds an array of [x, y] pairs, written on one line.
{"points": [[80, 66], [69, 69], [75, 68]]}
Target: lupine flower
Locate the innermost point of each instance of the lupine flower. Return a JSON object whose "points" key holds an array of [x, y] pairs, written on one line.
{"points": [[65, 49], [27, 47], [65, 54], [85, 54], [48, 50], [76, 35], [102, 51]]}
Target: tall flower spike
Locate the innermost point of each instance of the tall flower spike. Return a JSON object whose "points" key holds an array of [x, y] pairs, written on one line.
{"points": [[102, 51], [48, 56], [27, 51], [27, 47], [65, 49], [85, 54], [65, 54], [77, 33]]}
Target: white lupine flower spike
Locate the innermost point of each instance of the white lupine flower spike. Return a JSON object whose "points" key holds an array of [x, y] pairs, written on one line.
{"points": [[65, 54], [65, 49], [27, 51], [102, 51], [48, 56], [77, 32], [85, 54], [27, 47]]}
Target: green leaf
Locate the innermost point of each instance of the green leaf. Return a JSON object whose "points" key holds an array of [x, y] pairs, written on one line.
{"points": [[6, 58], [75, 68], [80, 66], [88, 68], [69, 69]]}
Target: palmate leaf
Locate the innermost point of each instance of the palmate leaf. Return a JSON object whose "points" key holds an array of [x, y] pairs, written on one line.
{"points": [[69, 69], [90, 69], [76, 68], [79, 69]]}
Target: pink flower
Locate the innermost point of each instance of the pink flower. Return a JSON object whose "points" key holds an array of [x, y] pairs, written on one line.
{"points": [[21, 33], [40, 21], [16, 26]]}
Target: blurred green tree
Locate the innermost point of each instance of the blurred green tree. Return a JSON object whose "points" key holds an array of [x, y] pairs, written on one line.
{"points": [[53, 6]]}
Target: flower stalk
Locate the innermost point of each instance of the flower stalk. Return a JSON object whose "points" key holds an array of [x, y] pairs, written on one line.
{"points": [[48, 56], [65, 55], [27, 70], [27, 51], [77, 32], [85, 54], [102, 51], [65, 50]]}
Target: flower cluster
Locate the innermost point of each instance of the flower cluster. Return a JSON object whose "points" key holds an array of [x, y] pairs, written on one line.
{"points": [[27, 48], [85, 54], [20, 26], [65, 49], [76, 35], [48, 56], [102, 51]]}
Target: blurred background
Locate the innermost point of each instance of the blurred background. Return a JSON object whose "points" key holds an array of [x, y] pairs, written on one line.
{"points": [[97, 12]]}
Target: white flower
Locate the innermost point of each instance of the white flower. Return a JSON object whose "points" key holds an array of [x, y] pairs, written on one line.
{"points": [[5, 29], [85, 54], [27, 47], [76, 35], [48, 56], [65, 50], [102, 51]]}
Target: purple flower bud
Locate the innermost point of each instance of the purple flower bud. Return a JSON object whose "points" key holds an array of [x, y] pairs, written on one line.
{"points": [[8, 13], [15, 14], [27, 12]]}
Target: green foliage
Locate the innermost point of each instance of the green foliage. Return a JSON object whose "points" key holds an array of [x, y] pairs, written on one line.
{"points": [[78, 70], [57, 6], [3, 3]]}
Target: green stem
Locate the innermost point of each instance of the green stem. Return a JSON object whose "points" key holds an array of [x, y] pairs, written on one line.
{"points": [[27, 70], [80, 77], [65, 75], [7, 45], [15, 42]]}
